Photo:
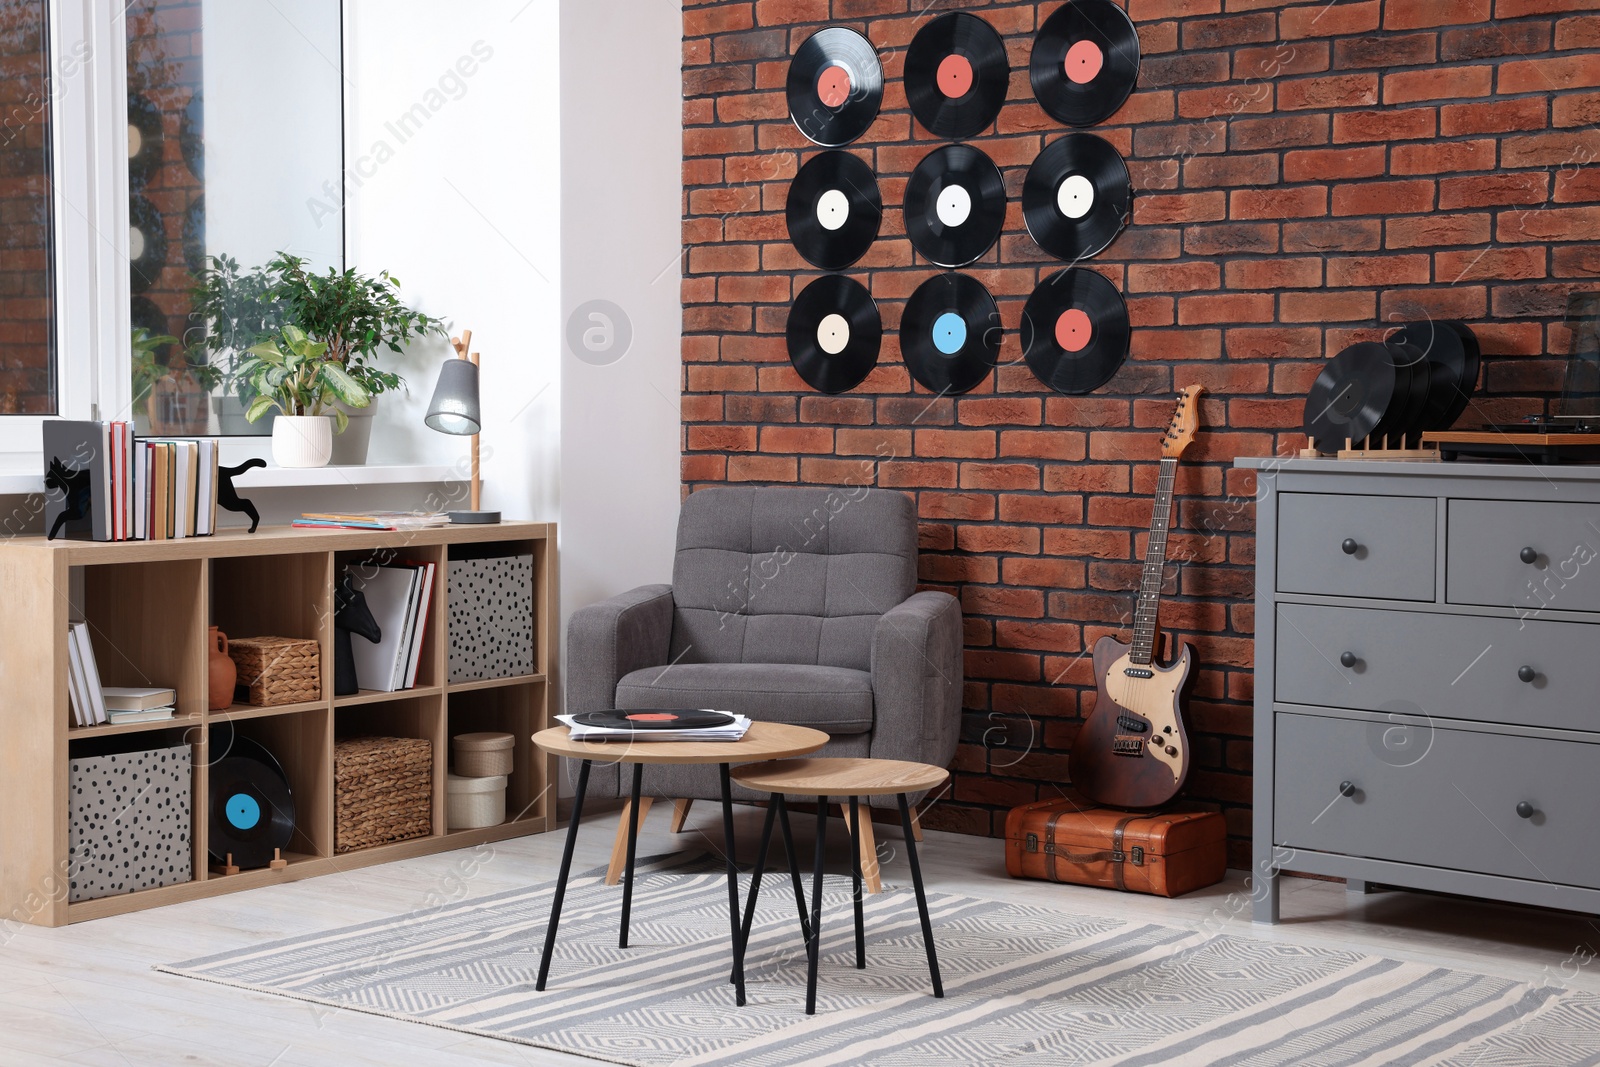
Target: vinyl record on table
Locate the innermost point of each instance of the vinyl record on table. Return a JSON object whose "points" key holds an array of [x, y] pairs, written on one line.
{"points": [[834, 210], [835, 86], [1452, 352], [251, 807], [147, 243], [834, 334], [1085, 62], [1077, 197], [950, 333], [1075, 331], [145, 141], [957, 75], [955, 205], [654, 718]]}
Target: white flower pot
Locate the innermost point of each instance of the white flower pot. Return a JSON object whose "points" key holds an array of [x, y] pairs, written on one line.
{"points": [[302, 440]]}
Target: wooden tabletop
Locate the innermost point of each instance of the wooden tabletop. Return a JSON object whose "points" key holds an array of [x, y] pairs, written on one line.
{"points": [[764, 741], [841, 777]]}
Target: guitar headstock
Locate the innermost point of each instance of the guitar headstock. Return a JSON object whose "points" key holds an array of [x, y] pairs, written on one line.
{"points": [[1184, 425]]}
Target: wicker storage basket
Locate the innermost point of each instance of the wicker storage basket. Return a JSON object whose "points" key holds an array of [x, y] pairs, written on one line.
{"points": [[383, 790], [472, 803], [482, 755], [277, 670]]}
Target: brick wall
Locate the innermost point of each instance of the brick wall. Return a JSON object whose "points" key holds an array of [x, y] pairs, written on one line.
{"points": [[25, 307], [1305, 172]]}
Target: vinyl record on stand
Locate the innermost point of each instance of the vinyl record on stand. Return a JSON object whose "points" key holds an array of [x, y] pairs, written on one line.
{"points": [[957, 75], [950, 333], [1351, 397], [251, 807], [1085, 62], [1451, 349], [1077, 197], [1075, 331], [955, 205], [1403, 422], [835, 86], [834, 210], [834, 334]]}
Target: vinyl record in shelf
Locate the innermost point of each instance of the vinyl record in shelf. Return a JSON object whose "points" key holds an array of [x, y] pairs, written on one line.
{"points": [[950, 333], [834, 210], [251, 806], [1451, 349], [147, 243], [955, 205], [1075, 331], [957, 75], [145, 140], [834, 334], [1085, 62], [835, 86], [1077, 197]]}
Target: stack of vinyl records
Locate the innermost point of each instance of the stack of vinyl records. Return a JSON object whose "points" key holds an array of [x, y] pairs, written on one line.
{"points": [[1389, 392]]}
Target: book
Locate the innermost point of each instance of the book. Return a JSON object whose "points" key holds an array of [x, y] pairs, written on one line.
{"points": [[375, 520], [91, 673], [390, 597], [82, 710], [420, 629], [122, 718], [122, 698]]}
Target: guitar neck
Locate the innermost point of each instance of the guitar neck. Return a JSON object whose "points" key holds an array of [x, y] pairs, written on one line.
{"points": [[1155, 558]]}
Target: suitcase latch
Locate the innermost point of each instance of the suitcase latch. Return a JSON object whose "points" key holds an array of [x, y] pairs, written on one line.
{"points": [[1033, 842], [1118, 856], [1138, 856]]}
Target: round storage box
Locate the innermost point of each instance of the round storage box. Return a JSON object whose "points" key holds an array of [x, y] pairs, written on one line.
{"points": [[473, 803], [482, 755]]}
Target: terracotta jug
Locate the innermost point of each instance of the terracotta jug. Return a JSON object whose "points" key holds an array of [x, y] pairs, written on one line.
{"points": [[223, 673]]}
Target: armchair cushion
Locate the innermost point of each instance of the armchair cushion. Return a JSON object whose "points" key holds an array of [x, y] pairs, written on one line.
{"points": [[835, 700]]}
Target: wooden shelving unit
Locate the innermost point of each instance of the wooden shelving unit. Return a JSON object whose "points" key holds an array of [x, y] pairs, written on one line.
{"points": [[148, 605]]}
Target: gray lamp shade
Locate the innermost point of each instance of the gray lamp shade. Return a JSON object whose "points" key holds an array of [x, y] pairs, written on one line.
{"points": [[454, 409]]}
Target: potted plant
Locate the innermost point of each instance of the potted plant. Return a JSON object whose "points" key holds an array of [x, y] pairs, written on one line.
{"points": [[234, 309], [295, 375]]}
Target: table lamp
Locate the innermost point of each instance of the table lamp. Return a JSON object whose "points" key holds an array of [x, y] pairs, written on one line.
{"points": [[455, 410]]}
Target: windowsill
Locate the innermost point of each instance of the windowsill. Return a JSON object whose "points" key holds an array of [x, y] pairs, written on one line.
{"points": [[14, 481]]}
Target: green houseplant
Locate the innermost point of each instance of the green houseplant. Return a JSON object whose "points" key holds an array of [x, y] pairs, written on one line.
{"points": [[293, 374]]}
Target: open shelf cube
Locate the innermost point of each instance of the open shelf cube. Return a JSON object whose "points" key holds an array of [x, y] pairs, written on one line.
{"points": [[513, 710]]}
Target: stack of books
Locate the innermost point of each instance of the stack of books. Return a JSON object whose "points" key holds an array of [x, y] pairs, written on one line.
{"points": [[175, 489], [103, 484], [373, 520], [96, 705], [398, 595]]}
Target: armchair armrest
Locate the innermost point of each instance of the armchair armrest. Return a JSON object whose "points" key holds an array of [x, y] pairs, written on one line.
{"points": [[917, 679], [606, 641]]}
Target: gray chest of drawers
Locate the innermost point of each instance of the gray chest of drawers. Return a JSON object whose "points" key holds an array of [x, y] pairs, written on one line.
{"points": [[1427, 678]]}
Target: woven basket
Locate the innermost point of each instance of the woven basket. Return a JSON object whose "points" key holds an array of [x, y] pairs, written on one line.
{"points": [[482, 755], [383, 791], [473, 803], [277, 670]]}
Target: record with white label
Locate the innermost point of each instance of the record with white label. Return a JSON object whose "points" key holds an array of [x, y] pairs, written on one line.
{"points": [[955, 205], [834, 210], [1077, 197], [1075, 331], [957, 75], [950, 333], [835, 86], [1085, 62], [145, 137], [834, 334]]}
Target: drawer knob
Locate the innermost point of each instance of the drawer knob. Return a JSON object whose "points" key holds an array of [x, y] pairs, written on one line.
{"points": [[1347, 789], [1525, 810], [1349, 546], [1530, 556], [1347, 659], [1527, 674]]}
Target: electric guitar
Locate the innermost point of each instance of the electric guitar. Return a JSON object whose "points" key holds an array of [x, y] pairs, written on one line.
{"points": [[1132, 751]]}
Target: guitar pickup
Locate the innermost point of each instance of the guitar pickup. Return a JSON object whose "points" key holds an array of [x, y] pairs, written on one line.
{"points": [[1131, 725], [1127, 746], [1138, 672]]}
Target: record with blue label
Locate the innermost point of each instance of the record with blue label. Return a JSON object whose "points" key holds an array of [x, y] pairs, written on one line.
{"points": [[950, 333], [835, 86], [834, 334], [955, 205], [834, 210], [251, 807], [1075, 331], [1078, 196]]}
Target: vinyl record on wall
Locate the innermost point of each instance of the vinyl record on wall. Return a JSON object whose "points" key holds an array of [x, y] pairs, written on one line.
{"points": [[145, 141], [192, 135], [1077, 197], [950, 333], [834, 334], [955, 205], [251, 807], [1085, 62], [957, 75], [147, 243], [835, 86], [834, 210], [1075, 331]]}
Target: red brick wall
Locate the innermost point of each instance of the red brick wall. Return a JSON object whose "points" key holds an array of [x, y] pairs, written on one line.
{"points": [[25, 301], [1305, 173]]}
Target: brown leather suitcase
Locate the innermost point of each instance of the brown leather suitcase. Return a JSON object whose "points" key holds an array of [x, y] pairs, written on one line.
{"points": [[1165, 853]]}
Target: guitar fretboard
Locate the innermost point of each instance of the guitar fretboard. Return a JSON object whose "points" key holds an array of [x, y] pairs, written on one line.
{"points": [[1155, 558]]}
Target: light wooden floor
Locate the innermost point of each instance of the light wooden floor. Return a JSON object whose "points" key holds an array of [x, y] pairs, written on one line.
{"points": [[86, 994]]}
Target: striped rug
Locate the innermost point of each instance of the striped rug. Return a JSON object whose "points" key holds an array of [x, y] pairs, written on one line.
{"points": [[1025, 986]]}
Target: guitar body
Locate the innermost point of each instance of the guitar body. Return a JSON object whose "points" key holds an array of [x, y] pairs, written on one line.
{"points": [[1133, 751]]}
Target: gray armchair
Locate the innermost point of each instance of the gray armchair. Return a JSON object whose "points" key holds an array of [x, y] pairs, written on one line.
{"points": [[788, 605]]}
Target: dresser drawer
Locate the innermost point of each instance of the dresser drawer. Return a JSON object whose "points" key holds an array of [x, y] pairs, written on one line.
{"points": [[1378, 547], [1523, 554], [1449, 798], [1443, 666]]}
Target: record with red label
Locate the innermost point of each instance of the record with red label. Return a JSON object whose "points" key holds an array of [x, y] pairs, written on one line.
{"points": [[955, 205], [1075, 331], [834, 334], [957, 75], [1077, 197], [654, 718], [1085, 62], [950, 333], [834, 210], [835, 86]]}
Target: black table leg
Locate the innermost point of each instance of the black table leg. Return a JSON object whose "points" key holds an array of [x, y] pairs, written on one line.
{"points": [[561, 880], [733, 883], [922, 898], [814, 942], [855, 878], [794, 865], [633, 842], [755, 886]]}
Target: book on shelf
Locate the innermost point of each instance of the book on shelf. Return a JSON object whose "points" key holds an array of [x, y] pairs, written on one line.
{"points": [[398, 595], [126, 698], [94, 705], [124, 718], [82, 710], [373, 520]]}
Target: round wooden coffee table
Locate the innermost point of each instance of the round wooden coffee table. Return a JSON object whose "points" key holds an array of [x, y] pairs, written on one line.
{"points": [[763, 741], [837, 777]]}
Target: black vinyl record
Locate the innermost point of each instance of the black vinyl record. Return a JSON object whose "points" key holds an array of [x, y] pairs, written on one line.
{"points": [[1075, 331], [955, 205], [1077, 197], [835, 86], [950, 333], [1452, 352], [147, 243], [834, 334], [251, 807], [654, 718], [834, 210], [957, 75], [145, 141], [1085, 62], [1413, 377], [1352, 399]]}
